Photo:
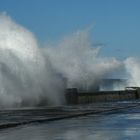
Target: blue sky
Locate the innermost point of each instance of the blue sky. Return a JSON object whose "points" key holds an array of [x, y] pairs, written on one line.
{"points": [[116, 22]]}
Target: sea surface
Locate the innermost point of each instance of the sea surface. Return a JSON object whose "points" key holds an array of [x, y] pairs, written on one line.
{"points": [[104, 121]]}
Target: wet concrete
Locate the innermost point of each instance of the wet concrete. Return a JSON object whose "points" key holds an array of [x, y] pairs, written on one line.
{"points": [[120, 124]]}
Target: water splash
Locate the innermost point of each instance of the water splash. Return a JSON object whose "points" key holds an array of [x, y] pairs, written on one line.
{"points": [[26, 78], [30, 75], [78, 61], [132, 66]]}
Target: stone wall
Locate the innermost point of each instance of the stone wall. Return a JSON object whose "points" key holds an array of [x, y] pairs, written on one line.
{"points": [[75, 97]]}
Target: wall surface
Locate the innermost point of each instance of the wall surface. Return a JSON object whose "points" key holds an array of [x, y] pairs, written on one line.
{"points": [[75, 97]]}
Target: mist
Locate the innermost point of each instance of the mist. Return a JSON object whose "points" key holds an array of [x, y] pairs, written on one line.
{"points": [[78, 60], [26, 77], [132, 66], [31, 75]]}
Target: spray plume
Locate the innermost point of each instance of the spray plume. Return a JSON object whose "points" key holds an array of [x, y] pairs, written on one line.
{"points": [[26, 78], [78, 61], [30, 75], [132, 66]]}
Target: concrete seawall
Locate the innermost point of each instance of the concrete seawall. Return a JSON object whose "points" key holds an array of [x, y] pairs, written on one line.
{"points": [[75, 97]]}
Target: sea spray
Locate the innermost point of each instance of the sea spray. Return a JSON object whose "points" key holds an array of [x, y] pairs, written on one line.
{"points": [[26, 78], [78, 61], [132, 66], [32, 75]]}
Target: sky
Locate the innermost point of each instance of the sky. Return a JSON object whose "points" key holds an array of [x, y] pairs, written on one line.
{"points": [[116, 23]]}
